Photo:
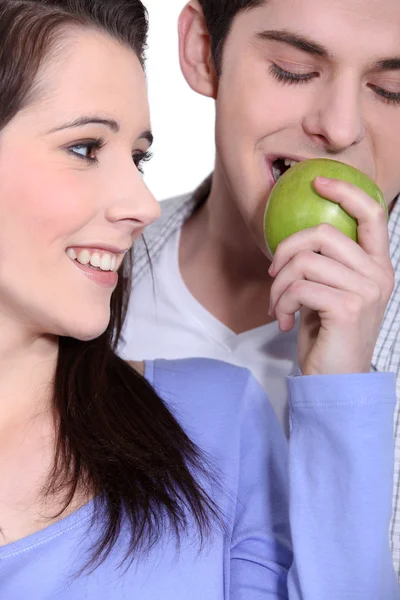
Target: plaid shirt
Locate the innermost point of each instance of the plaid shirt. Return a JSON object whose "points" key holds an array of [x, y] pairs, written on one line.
{"points": [[387, 351]]}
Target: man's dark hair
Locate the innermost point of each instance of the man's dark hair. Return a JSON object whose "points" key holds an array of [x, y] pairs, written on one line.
{"points": [[219, 15]]}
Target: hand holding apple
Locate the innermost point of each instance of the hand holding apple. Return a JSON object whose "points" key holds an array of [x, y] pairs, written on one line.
{"points": [[294, 204], [340, 287]]}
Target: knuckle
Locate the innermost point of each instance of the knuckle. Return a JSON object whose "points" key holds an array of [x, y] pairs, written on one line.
{"points": [[387, 282], [324, 230], [389, 285], [372, 292], [295, 288], [302, 258], [378, 213], [353, 306]]}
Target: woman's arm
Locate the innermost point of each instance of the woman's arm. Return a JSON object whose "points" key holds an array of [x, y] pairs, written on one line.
{"points": [[338, 494]]}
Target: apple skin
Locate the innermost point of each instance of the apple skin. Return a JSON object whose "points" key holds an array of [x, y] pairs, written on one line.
{"points": [[294, 204]]}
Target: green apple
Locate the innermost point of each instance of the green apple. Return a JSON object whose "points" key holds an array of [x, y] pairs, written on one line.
{"points": [[294, 204]]}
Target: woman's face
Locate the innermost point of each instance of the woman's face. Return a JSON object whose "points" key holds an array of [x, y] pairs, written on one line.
{"points": [[71, 190]]}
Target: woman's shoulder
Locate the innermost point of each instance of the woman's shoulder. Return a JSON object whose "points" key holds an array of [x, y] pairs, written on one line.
{"points": [[201, 377], [224, 411], [208, 392]]}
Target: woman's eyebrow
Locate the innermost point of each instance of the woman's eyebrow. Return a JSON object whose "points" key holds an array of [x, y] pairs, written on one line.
{"points": [[147, 135], [88, 120], [110, 123]]}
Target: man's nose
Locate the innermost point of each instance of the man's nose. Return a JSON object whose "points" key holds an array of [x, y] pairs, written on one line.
{"points": [[335, 122]]}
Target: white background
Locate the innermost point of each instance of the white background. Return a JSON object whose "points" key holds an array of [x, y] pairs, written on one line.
{"points": [[182, 121]]}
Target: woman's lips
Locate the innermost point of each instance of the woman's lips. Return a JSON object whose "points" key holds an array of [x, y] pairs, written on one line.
{"points": [[104, 278]]}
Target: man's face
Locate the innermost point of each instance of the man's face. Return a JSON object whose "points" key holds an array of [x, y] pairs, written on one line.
{"points": [[304, 79]]}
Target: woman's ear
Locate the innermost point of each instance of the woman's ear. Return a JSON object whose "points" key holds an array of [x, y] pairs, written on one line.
{"points": [[195, 51]]}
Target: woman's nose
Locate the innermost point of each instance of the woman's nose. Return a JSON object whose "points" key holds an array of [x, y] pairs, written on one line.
{"points": [[133, 202]]}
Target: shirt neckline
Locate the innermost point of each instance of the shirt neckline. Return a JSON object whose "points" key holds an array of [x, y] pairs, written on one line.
{"points": [[217, 330], [72, 521]]}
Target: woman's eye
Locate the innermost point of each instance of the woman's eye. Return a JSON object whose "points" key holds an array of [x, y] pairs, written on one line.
{"points": [[82, 150], [87, 150], [141, 157], [290, 77]]}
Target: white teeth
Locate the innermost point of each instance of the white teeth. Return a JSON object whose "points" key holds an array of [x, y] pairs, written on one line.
{"points": [[95, 260], [277, 168], [290, 163], [105, 264], [84, 257], [276, 172]]}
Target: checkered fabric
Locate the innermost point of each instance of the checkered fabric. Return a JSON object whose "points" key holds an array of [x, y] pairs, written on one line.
{"points": [[387, 351], [387, 358]]}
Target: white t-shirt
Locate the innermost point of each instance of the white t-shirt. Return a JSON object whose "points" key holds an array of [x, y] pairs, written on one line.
{"points": [[166, 321]]}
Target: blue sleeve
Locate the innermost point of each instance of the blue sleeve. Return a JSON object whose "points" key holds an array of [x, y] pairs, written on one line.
{"points": [[335, 487]]}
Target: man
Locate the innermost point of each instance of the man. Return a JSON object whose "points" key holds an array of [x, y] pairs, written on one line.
{"points": [[292, 79]]}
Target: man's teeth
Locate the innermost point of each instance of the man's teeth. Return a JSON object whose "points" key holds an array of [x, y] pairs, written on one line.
{"points": [[281, 165], [106, 262], [290, 163], [276, 172]]}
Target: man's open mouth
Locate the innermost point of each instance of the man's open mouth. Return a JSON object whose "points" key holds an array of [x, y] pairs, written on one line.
{"points": [[281, 165]]}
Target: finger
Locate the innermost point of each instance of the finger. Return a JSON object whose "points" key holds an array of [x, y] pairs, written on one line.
{"points": [[326, 240], [319, 269], [309, 294], [373, 235]]}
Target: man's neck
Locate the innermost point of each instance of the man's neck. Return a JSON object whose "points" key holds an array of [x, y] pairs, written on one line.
{"points": [[221, 264]]}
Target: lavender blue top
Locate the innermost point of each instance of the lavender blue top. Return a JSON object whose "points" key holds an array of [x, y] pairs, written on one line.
{"points": [[335, 483]]}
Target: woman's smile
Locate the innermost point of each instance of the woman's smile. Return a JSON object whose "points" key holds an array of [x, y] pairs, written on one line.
{"points": [[98, 264]]}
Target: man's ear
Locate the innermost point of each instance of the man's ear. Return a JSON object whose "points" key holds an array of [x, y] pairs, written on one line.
{"points": [[195, 51]]}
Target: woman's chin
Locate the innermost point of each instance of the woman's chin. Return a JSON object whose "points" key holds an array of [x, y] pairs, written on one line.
{"points": [[86, 330]]}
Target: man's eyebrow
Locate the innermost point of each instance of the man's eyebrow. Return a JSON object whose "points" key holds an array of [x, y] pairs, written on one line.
{"points": [[306, 45], [388, 64], [295, 40], [111, 123]]}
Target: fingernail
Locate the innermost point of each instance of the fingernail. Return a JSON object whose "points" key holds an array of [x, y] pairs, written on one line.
{"points": [[322, 180]]}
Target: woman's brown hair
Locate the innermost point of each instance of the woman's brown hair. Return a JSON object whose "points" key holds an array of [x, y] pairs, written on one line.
{"points": [[116, 439]]}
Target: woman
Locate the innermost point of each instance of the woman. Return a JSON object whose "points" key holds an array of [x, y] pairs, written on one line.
{"points": [[107, 489]]}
